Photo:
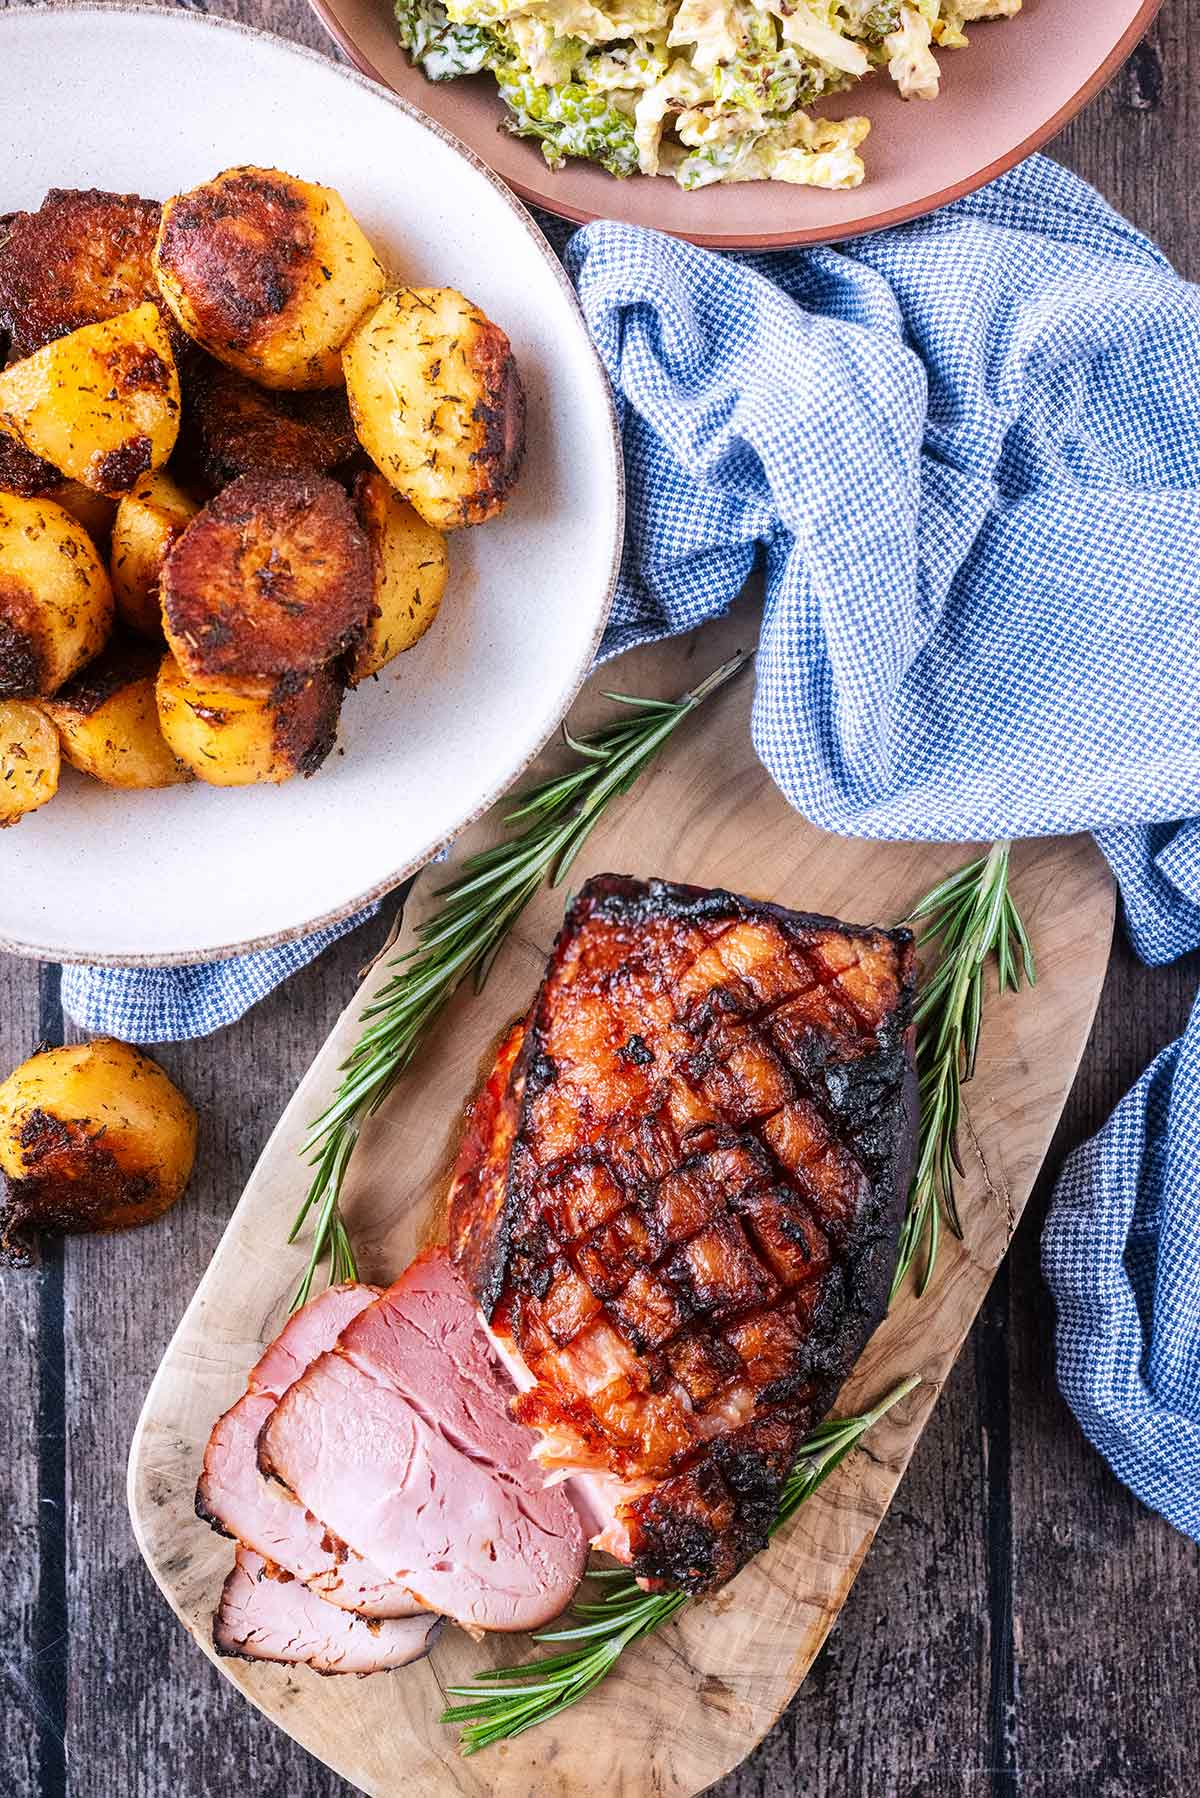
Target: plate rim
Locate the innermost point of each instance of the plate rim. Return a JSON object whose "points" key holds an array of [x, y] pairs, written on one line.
{"points": [[793, 239], [187, 19]]}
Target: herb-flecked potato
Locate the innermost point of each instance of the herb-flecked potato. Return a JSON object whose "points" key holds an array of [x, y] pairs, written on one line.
{"points": [[231, 427], [102, 405], [56, 604], [149, 520], [272, 578], [83, 256], [259, 731], [107, 718], [408, 561], [29, 760], [93, 1136], [438, 404], [268, 273], [22, 473], [94, 511]]}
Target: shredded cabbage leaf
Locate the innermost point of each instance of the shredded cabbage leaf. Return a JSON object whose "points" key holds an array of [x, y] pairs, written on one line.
{"points": [[699, 90]]}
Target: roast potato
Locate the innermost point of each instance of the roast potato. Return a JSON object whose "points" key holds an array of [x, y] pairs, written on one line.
{"points": [[93, 1136], [408, 563], [149, 520], [438, 403], [272, 578], [107, 718], [22, 473], [259, 731], [268, 273], [231, 427], [102, 404], [56, 604], [83, 256], [94, 511], [29, 759]]}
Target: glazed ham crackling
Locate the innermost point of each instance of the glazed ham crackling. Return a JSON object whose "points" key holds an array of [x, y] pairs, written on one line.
{"points": [[679, 1200]]}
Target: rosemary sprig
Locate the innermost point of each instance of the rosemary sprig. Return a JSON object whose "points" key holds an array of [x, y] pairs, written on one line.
{"points": [[972, 916], [463, 936], [541, 1689]]}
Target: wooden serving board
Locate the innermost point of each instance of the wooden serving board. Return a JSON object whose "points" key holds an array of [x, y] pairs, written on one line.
{"points": [[686, 1705]]}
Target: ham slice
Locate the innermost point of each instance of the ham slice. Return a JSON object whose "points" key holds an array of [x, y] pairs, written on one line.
{"points": [[234, 1497], [261, 1618], [402, 1440]]}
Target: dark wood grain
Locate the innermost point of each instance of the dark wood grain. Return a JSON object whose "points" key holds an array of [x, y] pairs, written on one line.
{"points": [[1022, 1625]]}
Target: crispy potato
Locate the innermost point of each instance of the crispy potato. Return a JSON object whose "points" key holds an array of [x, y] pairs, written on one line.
{"points": [[438, 404], [93, 1136], [83, 256], [231, 428], [29, 760], [23, 473], [269, 273], [149, 521], [272, 578], [102, 404], [259, 731], [107, 718], [94, 511], [408, 560], [56, 604]]}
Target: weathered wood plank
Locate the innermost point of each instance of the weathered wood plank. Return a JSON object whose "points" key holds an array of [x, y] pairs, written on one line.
{"points": [[1104, 1589], [147, 1715], [31, 1658]]}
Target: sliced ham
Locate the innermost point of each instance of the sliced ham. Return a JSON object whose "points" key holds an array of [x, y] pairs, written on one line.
{"points": [[402, 1440], [265, 1619], [234, 1497]]}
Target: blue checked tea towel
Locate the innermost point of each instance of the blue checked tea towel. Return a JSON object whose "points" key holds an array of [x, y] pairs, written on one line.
{"points": [[967, 454]]}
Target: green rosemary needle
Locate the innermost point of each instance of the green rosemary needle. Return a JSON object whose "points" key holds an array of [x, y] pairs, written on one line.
{"points": [[506, 1701], [478, 907], [971, 915]]}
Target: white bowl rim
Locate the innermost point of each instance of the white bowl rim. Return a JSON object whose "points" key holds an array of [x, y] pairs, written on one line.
{"points": [[379, 889]]}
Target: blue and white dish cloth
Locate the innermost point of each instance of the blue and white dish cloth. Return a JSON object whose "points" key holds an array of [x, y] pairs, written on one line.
{"points": [[967, 453]]}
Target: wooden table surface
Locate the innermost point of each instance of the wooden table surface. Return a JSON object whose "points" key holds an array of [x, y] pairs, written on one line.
{"points": [[1022, 1626]]}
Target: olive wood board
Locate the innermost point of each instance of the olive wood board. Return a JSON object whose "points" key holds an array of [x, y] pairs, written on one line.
{"points": [[686, 1705]]}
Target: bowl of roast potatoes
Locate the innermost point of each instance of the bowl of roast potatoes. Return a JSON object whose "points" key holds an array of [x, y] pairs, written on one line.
{"points": [[231, 451]]}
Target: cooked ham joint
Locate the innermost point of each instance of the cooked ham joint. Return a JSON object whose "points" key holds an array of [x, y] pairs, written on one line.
{"points": [[678, 1204], [401, 1439], [261, 1618], [234, 1497]]}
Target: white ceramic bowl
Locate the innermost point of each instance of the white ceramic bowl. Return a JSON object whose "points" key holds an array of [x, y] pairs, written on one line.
{"points": [[154, 102]]}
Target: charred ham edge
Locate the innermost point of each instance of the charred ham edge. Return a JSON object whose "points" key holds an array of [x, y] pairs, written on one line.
{"points": [[261, 1618], [402, 1439], [678, 1204], [237, 1501]]}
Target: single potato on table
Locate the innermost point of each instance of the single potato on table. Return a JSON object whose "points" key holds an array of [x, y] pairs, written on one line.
{"points": [[107, 718], [93, 1136], [408, 563], [56, 603], [148, 521], [29, 760], [438, 404], [101, 404], [269, 274], [258, 731]]}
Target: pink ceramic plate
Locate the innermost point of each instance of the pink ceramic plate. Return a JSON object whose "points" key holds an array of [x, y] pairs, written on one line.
{"points": [[1011, 90]]}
